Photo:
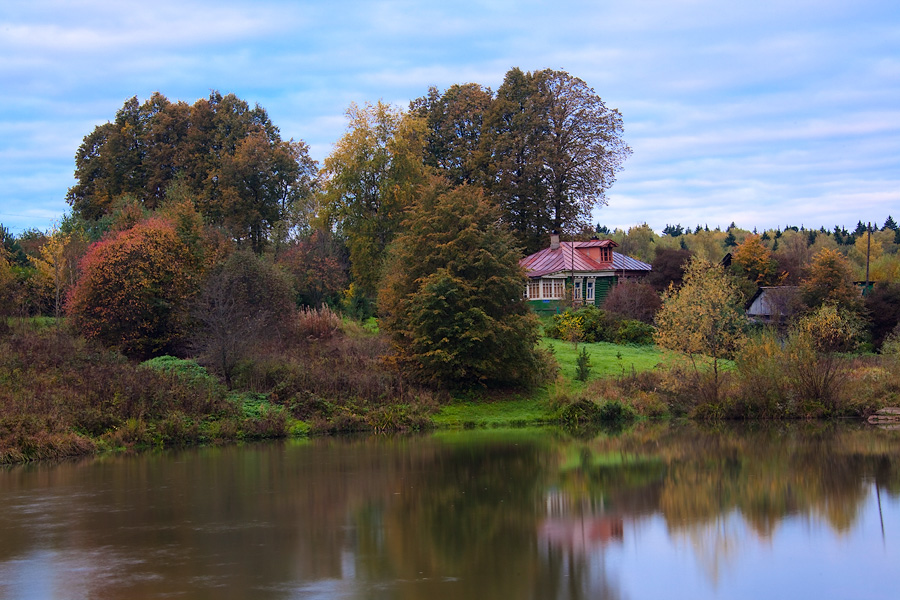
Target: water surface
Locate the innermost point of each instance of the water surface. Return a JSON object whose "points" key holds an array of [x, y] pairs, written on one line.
{"points": [[656, 512]]}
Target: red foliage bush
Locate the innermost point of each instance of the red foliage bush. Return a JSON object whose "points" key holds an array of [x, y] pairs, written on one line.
{"points": [[133, 289]]}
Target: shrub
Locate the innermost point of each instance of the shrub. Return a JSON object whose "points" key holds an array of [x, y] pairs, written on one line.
{"points": [[133, 289], [318, 323], [631, 331], [633, 300]]}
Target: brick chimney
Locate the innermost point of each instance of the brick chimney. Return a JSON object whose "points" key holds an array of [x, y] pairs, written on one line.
{"points": [[554, 240]]}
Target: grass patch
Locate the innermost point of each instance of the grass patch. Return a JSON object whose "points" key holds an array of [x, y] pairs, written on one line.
{"points": [[607, 360], [507, 411]]}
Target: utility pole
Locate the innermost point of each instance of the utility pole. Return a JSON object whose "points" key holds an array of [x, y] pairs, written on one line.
{"points": [[868, 253], [572, 264]]}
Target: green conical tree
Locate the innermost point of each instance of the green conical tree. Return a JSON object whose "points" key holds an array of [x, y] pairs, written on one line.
{"points": [[451, 297]]}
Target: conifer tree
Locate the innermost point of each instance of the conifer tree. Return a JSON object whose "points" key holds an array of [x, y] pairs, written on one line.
{"points": [[451, 298]]}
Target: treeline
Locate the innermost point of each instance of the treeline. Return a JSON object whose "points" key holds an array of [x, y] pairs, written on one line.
{"points": [[195, 227]]}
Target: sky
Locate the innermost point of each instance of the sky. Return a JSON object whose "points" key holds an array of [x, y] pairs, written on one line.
{"points": [[764, 113]]}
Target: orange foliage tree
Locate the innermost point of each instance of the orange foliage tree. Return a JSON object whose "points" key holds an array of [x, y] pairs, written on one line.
{"points": [[133, 288], [756, 261]]}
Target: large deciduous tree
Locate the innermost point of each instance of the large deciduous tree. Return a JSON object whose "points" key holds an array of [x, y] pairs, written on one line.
{"points": [[451, 298], [549, 151], [755, 261], [229, 157], [371, 177], [454, 122]]}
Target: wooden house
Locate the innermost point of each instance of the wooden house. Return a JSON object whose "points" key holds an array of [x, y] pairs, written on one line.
{"points": [[589, 269]]}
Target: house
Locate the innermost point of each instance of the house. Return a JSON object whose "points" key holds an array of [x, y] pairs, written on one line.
{"points": [[773, 303], [589, 269]]}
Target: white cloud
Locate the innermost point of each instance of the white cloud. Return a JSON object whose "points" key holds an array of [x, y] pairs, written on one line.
{"points": [[734, 110]]}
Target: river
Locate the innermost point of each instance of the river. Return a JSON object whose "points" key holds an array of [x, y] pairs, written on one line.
{"points": [[805, 510]]}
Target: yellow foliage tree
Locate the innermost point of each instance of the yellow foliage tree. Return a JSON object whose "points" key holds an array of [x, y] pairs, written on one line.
{"points": [[830, 279], [703, 317]]}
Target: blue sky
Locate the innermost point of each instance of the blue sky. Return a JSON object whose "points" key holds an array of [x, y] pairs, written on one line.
{"points": [[765, 113]]}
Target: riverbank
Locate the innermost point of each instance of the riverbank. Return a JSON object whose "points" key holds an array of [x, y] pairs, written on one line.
{"points": [[62, 396]]}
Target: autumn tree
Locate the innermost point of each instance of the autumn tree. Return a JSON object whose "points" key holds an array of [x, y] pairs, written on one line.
{"points": [[371, 178], [451, 298], [830, 279], [133, 289], [550, 149], [7, 285], [231, 158], [704, 317], [754, 261], [245, 303], [317, 264]]}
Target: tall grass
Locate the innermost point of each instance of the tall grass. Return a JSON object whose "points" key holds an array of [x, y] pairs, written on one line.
{"points": [[61, 395]]}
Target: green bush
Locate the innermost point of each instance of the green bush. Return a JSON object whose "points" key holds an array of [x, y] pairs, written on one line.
{"points": [[630, 331], [597, 325]]}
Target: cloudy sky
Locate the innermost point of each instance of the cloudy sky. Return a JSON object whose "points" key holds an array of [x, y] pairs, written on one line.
{"points": [[765, 113]]}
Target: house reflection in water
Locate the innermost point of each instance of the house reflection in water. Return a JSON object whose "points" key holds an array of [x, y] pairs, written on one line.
{"points": [[578, 526]]}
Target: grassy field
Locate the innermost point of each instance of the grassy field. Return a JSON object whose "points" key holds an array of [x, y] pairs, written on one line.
{"points": [[607, 360], [534, 407]]}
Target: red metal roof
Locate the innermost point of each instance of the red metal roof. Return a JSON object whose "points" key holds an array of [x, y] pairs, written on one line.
{"points": [[569, 257]]}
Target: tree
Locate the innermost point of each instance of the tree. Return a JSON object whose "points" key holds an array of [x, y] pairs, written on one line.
{"points": [[318, 267], [830, 279], [704, 316], [371, 177], [755, 261], [639, 242], [668, 268], [228, 156], [550, 149], [7, 286], [133, 289], [890, 223], [451, 298], [633, 300], [243, 303], [454, 122], [883, 307], [673, 230]]}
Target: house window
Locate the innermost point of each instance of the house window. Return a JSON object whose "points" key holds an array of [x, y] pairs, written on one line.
{"points": [[559, 288], [546, 288], [534, 288], [589, 290], [578, 289], [552, 289]]}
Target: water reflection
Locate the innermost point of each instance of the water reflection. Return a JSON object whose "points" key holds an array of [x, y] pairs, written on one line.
{"points": [[657, 511]]}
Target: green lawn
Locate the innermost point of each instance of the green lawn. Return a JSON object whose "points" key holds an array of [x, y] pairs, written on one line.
{"points": [[532, 408], [606, 359]]}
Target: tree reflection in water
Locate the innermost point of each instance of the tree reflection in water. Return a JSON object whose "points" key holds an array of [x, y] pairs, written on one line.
{"points": [[483, 514]]}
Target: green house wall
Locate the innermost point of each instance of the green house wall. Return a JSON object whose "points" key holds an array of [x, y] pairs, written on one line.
{"points": [[602, 287]]}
